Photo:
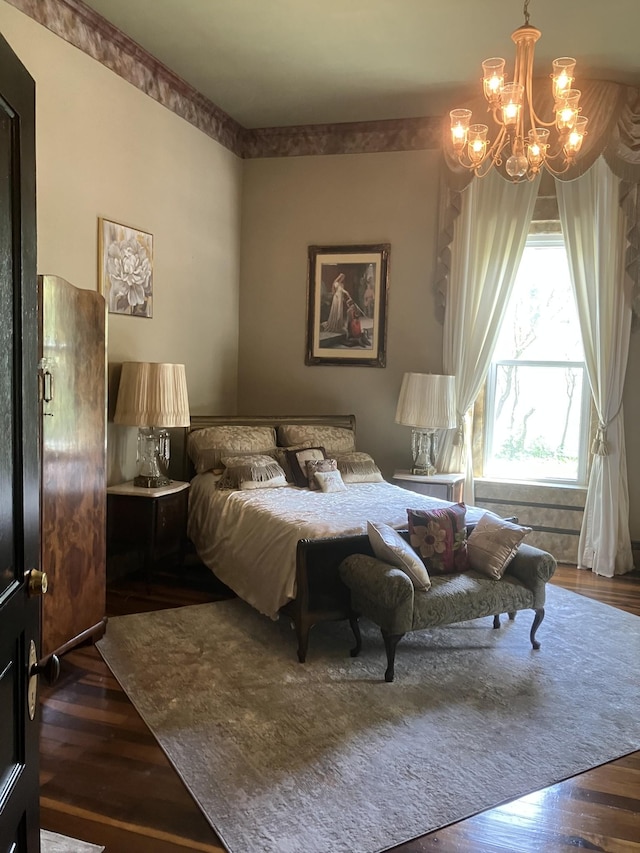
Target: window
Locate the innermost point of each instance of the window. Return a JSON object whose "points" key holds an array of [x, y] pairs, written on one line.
{"points": [[537, 401]]}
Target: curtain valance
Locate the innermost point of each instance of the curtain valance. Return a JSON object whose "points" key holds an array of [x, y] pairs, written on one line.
{"points": [[613, 132]]}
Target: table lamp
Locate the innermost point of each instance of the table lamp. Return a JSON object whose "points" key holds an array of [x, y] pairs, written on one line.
{"points": [[427, 402], [152, 397]]}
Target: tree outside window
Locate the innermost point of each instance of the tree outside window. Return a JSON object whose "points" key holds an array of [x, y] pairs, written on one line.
{"points": [[536, 421]]}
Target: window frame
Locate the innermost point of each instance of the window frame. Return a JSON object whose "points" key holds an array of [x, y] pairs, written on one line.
{"points": [[539, 240]]}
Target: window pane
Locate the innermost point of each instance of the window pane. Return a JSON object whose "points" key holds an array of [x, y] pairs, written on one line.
{"points": [[541, 322], [536, 424]]}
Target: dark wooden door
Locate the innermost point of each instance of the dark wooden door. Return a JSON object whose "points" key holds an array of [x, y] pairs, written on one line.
{"points": [[19, 464]]}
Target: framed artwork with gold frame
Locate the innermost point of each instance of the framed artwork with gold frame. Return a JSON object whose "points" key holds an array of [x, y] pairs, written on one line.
{"points": [[347, 305]]}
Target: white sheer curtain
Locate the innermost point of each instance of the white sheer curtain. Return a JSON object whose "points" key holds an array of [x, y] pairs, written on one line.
{"points": [[488, 241], [594, 229]]}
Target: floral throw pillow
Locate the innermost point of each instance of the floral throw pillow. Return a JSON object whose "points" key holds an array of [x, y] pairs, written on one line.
{"points": [[439, 536]]}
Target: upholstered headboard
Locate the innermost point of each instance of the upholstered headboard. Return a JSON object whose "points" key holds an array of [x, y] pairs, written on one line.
{"points": [[204, 421]]}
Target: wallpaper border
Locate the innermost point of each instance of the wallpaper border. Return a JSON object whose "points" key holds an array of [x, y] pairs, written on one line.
{"points": [[88, 31]]}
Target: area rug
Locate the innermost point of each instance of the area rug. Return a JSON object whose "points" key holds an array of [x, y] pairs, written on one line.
{"points": [[326, 757], [53, 842]]}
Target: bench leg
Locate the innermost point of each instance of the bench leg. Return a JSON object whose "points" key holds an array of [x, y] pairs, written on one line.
{"points": [[390, 643], [355, 627], [536, 624]]}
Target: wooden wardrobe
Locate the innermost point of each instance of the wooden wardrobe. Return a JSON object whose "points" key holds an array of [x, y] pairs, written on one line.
{"points": [[73, 440]]}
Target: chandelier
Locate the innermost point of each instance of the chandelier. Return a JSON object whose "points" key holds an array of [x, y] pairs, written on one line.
{"points": [[523, 139]]}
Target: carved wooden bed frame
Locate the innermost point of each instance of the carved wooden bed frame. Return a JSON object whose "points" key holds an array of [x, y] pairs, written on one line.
{"points": [[320, 594]]}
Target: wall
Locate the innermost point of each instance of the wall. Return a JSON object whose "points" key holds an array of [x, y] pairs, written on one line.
{"points": [[291, 203], [106, 149]]}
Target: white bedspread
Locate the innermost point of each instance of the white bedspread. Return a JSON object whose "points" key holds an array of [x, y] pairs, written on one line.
{"points": [[248, 538]]}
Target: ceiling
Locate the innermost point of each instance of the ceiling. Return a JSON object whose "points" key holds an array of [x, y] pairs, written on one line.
{"points": [[270, 63]]}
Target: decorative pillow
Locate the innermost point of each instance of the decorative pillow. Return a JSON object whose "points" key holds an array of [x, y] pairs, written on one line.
{"points": [[493, 543], [280, 454], [314, 466], [330, 481], [206, 446], [252, 471], [440, 538], [335, 440], [297, 460], [388, 545], [358, 467]]}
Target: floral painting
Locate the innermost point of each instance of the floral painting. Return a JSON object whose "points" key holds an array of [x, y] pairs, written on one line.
{"points": [[126, 269]]}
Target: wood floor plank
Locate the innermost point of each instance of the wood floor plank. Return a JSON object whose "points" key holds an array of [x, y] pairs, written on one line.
{"points": [[105, 779]]}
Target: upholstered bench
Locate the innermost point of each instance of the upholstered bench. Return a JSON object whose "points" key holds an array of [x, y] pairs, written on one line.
{"points": [[387, 595]]}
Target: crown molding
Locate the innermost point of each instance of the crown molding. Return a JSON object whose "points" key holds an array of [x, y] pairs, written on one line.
{"points": [[85, 29], [82, 27], [363, 137]]}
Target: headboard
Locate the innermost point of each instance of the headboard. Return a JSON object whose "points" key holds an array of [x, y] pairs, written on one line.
{"points": [[204, 421]]}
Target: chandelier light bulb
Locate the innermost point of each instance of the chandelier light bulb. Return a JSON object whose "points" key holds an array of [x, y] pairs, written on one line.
{"points": [[459, 128], [493, 79], [562, 76], [576, 136]]}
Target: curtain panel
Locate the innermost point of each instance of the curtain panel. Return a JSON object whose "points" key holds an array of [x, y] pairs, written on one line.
{"points": [[594, 228], [485, 254]]}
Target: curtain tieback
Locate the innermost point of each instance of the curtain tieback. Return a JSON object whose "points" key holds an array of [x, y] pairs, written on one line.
{"points": [[459, 436], [599, 446]]}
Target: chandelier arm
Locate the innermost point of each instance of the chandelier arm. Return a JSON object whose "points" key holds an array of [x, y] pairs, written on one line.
{"points": [[549, 167], [488, 163], [534, 118], [529, 91], [541, 122]]}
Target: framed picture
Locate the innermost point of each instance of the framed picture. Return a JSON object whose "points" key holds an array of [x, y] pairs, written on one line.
{"points": [[347, 305], [125, 268]]}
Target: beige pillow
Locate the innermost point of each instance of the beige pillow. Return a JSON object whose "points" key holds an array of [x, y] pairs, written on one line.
{"points": [[335, 440], [492, 544], [251, 471], [314, 466], [206, 447], [358, 467], [390, 547], [330, 481]]}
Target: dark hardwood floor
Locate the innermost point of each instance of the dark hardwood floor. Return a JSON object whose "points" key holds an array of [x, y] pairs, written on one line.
{"points": [[104, 779]]}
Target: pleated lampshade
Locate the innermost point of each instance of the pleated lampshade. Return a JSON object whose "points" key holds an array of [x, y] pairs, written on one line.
{"points": [[152, 395], [427, 400]]}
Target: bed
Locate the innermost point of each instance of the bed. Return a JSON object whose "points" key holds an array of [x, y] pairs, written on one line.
{"points": [[279, 548]]}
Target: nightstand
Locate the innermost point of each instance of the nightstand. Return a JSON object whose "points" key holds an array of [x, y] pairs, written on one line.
{"points": [[447, 487], [153, 521]]}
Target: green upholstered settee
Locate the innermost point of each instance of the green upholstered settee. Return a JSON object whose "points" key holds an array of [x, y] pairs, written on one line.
{"points": [[387, 596]]}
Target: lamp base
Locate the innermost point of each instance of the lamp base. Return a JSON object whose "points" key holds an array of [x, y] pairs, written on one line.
{"points": [[429, 471], [153, 458], [423, 449], [151, 482]]}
